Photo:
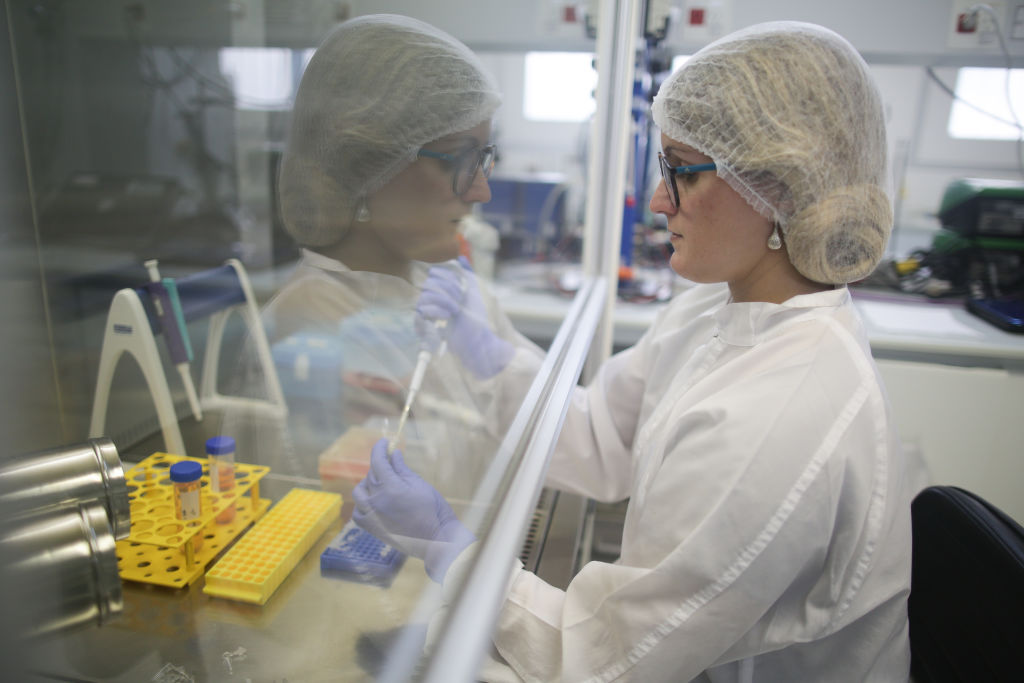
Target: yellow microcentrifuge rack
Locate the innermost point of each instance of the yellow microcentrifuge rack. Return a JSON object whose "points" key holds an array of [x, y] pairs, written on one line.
{"points": [[167, 551], [261, 560]]}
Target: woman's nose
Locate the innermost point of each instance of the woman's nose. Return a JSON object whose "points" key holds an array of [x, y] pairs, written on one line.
{"points": [[660, 201], [479, 192]]}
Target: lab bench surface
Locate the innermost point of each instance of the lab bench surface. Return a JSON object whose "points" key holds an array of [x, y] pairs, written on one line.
{"points": [[899, 327]]}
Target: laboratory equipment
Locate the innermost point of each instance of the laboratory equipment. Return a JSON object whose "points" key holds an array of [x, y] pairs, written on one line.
{"points": [[220, 452], [529, 210], [986, 209], [89, 471], [262, 559], [358, 555], [981, 246], [133, 321], [165, 300], [61, 569], [185, 478], [61, 513], [188, 504], [422, 361], [1006, 314], [160, 549]]}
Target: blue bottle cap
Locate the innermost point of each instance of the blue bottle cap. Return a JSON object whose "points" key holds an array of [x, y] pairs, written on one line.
{"points": [[220, 445], [186, 470]]}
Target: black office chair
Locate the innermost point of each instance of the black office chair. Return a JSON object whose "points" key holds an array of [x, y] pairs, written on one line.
{"points": [[967, 590]]}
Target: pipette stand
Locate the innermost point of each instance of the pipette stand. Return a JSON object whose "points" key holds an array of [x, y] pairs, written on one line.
{"points": [[214, 294]]}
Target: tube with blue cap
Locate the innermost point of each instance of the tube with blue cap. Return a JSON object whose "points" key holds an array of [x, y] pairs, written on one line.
{"points": [[172, 321]]}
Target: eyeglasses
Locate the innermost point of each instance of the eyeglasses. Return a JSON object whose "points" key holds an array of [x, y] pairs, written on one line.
{"points": [[669, 173], [465, 165]]}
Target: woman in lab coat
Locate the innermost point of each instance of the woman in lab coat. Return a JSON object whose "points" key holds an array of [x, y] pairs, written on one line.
{"points": [[767, 536], [388, 149]]}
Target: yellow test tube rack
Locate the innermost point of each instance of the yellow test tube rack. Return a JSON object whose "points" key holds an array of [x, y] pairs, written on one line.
{"points": [[167, 551], [255, 566]]}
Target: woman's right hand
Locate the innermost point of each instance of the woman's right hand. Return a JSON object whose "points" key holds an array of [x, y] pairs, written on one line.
{"points": [[450, 308]]}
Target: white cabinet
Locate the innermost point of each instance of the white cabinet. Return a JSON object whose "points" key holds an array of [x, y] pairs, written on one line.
{"points": [[966, 422]]}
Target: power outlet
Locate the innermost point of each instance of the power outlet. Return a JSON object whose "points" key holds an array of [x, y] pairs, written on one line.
{"points": [[977, 29]]}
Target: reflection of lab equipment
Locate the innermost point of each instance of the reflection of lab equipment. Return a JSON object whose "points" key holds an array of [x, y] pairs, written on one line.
{"points": [[422, 361], [61, 511], [528, 210], [133, 322]]}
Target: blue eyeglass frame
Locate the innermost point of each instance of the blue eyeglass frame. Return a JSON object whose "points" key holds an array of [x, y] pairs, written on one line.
{"points": [[458, 160], [669, 173]]}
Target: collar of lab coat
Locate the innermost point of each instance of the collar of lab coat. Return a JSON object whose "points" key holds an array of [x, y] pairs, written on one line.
{"points": [[746, 324], [315, 259]]}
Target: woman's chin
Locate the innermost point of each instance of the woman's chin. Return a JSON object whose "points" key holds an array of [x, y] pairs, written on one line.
{"points": [[438, 253]]}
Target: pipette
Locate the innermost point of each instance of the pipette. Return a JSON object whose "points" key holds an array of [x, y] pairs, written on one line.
{"points": [[422, 361], [172, 320]]}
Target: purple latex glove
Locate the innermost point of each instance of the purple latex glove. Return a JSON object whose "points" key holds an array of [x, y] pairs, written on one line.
{"points": [[450, 294], [398, 507]]}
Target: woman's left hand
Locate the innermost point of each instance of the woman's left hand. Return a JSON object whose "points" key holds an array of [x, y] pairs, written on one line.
{"points": [[397, 506]]}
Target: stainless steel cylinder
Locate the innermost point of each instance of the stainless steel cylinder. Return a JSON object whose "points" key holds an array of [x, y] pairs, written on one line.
{"points": [[90, 471], [60, 568]]}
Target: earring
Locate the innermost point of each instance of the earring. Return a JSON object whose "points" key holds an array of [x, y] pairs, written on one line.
{"points": [[362, 211], [775, 242]]}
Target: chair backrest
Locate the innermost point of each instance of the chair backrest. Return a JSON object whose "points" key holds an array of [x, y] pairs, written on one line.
{"points": [[967, 589]]}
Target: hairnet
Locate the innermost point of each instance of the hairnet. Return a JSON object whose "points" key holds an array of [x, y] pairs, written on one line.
{"points": [[376, 90], [794, 122]]}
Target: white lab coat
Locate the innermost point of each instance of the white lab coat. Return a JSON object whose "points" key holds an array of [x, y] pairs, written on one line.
{"points": [[767, 536]]}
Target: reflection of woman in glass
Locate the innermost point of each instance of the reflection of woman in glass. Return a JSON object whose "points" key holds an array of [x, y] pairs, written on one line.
{"points": [[388, 149], [767, 536]]}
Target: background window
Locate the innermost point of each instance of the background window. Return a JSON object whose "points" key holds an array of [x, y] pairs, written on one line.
{"points": [[260, 77], [985, 90], [559, 86]]}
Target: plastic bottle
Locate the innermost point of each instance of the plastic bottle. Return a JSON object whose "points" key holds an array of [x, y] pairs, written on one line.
{"points": [[188, 503], [221, 452]]}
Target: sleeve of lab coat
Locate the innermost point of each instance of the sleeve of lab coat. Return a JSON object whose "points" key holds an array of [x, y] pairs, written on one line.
{"points": [[752, 561], [594, 454], [592, 457]]}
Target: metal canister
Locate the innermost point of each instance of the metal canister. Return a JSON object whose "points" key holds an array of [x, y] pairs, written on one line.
{"points": [[90, 471], [60, 569]]}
